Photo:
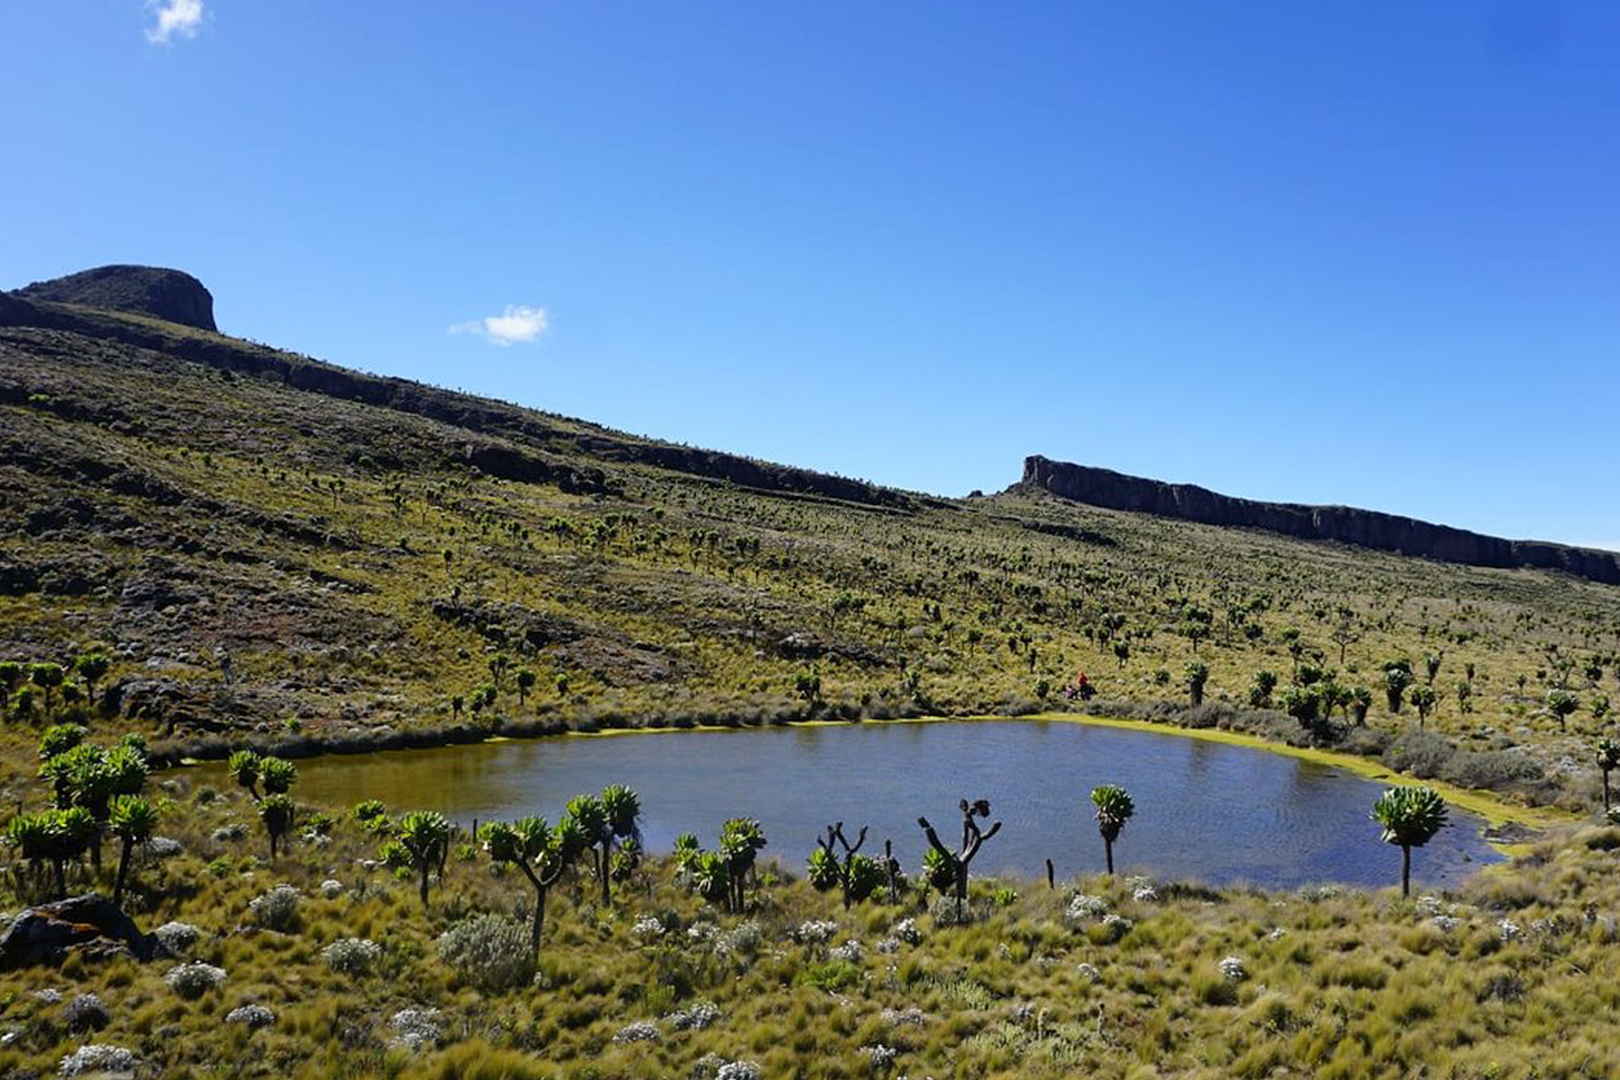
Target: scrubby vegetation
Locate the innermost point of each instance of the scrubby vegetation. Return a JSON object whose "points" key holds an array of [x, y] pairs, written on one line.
{"points": [[324, 963]]}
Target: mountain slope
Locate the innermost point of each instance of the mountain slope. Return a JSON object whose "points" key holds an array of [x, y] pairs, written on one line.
{"points": [[269, 545]]}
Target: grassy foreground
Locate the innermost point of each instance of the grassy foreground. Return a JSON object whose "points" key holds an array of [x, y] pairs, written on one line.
{"points": [[1514, 975]]}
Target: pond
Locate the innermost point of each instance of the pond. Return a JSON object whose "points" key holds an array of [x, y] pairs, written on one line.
{"points": [[1205, 810]]}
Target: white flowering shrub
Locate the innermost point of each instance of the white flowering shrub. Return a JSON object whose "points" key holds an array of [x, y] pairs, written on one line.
{"points": [[491, 952], [98, 1059], [331, 888], [647, 928], [879, 1057], [815, 932], [742, 940], [351, 956], [86, 1012], [1446, 923], [251, 1016], [640, 1031], [1232, 969], [910, 1016], [1508, 929], [944, 912], [1088, 971], [193, 980], [415, 1029], [906, 930], [738, 1070], [276, 909], [850, 952], [1115, 927], [1084, 908], [177, 937], [694, 1017]]}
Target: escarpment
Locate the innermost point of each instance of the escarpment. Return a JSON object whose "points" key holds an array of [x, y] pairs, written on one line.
{"points": [[1342, 524]]}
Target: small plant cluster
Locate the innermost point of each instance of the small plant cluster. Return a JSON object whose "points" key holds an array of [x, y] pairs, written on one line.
{"points": [[46, 691]]}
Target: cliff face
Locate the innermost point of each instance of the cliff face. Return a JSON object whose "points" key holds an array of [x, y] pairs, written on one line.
{"points": [[1343, 524], [170, 295]]}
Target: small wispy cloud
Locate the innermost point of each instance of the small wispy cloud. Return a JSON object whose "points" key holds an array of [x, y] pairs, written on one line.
{"points": [[175, 18], [519, 324]]}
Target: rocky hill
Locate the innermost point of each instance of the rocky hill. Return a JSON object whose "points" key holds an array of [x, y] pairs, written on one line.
{"points": [[170, 295], [1341, 524]]}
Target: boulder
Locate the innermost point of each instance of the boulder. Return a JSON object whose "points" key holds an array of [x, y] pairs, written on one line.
{"points": [[89, 924]]}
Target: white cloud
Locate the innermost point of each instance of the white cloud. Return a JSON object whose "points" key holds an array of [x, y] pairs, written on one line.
{"points": [[182, 17], [519, 324]]}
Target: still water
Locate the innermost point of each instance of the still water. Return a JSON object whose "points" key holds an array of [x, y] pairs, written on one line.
{"points": [[1205, 811]]}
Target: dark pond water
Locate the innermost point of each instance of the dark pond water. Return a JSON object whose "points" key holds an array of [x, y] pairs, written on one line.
{"points": [[1205, 810]]}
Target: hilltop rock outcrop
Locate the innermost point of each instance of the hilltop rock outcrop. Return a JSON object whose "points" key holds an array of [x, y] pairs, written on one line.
{"points": [[1342, 524], [171, 295]]}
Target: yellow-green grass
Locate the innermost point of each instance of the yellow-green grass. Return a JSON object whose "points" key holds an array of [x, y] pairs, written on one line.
{"points": [[1344, 983]]}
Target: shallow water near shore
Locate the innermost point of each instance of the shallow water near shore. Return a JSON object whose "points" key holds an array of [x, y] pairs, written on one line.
{"points": [[1205, 810]]}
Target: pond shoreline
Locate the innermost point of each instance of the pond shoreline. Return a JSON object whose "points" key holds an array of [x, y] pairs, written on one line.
{"points": [[1512, 828]]}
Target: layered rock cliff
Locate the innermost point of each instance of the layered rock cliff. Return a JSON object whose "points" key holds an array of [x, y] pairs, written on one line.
{"points": [[1342, 524]]}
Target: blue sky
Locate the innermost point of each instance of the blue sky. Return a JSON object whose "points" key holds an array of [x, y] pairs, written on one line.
{"points": [[1354, 251]]}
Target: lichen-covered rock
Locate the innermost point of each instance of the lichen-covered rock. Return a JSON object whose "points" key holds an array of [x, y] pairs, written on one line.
{"points": [[87, 924]]}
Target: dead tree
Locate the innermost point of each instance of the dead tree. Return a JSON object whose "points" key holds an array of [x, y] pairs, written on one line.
{"points": [[973, 838], [845, 864], [891, 870]]}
